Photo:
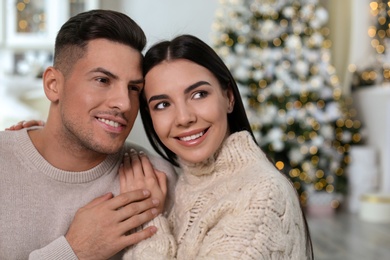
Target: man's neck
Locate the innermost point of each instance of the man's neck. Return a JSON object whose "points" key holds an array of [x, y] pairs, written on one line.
{"points": [[62, 156]]}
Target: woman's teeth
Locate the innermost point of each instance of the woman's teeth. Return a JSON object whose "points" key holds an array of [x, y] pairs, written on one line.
{"points": [[191, 137]]}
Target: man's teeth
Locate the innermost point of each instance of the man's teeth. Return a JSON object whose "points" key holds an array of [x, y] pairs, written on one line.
{"points": [[191, 137], [109, 122]]}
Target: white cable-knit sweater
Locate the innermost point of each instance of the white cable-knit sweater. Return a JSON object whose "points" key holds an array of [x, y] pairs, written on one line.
{"points": [[236, 205]]}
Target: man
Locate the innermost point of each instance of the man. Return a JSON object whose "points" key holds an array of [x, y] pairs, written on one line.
{"points": [[51, 175]]}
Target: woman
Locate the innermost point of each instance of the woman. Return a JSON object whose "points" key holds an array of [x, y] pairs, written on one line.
{"points": [[231, 202]]}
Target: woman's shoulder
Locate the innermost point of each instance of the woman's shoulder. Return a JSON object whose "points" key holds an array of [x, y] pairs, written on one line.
{"points": [[266, 182]]}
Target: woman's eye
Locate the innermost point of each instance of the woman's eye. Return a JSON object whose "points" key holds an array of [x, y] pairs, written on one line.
{"points": [[161, 105], [200, 94]]}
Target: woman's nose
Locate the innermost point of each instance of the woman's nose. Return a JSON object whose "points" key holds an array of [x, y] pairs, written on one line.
{"points": [[185, 115]]}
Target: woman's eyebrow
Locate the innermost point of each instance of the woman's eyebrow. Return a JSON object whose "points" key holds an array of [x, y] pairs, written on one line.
{"points": [[195, 85], [157, 97], [186, 91]]}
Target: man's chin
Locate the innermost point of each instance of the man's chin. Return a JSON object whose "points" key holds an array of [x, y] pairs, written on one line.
{"points": [[107, 149]]}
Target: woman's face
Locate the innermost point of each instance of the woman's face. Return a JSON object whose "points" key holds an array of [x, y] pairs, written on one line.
{"points": [[188, 108]]}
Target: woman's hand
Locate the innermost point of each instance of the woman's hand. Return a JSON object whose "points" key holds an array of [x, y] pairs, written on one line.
{"points": [[25, 124], [137, 172]]}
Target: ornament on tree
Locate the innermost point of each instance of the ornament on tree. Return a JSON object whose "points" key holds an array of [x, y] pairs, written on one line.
{"points": [[278, 52]]}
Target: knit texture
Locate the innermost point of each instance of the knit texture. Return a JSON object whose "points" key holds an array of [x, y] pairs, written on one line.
{"points": [[39, 201], [236, 205]]}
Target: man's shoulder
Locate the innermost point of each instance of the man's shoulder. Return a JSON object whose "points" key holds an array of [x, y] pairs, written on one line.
{"points": [[10, 136]]}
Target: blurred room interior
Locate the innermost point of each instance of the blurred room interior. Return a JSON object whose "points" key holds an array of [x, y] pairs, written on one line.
{"points": [[350, 224]]}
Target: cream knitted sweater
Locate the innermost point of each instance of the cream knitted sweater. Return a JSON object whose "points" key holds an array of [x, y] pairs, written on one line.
{"points": [[236, 205]]}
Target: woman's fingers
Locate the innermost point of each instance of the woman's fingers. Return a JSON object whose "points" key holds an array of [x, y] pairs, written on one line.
{"points": [[33, 123], [125, 174], [122, 179], [136, 165], [162, 181], [25, 124], [137, 172], [147, 166]]}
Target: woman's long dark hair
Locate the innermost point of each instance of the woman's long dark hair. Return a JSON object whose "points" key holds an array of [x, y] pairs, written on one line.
{"points": [[193, 49]]}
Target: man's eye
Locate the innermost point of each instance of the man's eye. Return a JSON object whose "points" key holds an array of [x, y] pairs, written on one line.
{"points": [[134, 88], [103, 80]]}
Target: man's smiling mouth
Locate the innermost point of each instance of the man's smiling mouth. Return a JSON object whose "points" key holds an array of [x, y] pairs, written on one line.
{"points": [[109, 122]]}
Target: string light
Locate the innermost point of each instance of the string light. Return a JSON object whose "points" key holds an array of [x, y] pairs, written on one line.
{"points": [[380, 34], [381, 30]]}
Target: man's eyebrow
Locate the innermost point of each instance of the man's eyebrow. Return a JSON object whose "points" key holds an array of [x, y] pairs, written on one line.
{"points": [[138, 81], [104, 71], [186, 91], [112, 75]]}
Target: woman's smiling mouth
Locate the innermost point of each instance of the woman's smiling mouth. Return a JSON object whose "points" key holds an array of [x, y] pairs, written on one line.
{"points": [[192, 137]]}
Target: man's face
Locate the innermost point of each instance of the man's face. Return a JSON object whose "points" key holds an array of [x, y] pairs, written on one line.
{"points": [[98, 102]]}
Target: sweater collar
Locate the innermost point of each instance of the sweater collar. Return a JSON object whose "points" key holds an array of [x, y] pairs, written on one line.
{"points": [[236, 151], [30, 155]]}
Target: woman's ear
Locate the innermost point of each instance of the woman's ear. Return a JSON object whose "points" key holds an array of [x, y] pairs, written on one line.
{"points": [[52, 82], [230, 96]]}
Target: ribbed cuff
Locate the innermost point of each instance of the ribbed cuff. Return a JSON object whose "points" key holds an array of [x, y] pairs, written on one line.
{"points": [[59, 249]]}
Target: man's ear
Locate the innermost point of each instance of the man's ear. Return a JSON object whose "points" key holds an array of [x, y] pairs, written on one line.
{"points": [[52, 83]]}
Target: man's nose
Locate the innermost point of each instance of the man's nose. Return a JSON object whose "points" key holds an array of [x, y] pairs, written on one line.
{"points": [[119, 98]]}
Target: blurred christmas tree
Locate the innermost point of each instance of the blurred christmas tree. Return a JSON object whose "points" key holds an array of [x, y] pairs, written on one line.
{"points": [[380, 32], [378, 72], [278, 52]]}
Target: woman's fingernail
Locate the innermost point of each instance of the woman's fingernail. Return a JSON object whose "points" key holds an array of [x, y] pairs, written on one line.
{"points": [[126, 155], [132, 151], [156, 202], [154, 212], [153, 229], [146, 193], [141, 153]]}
